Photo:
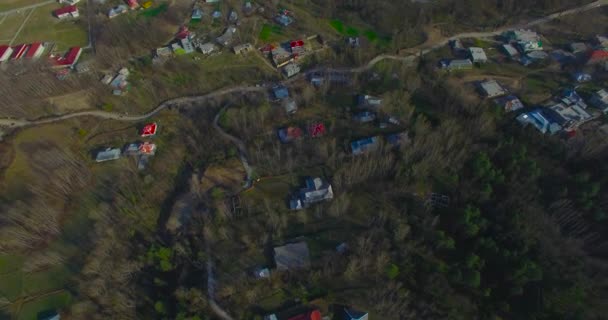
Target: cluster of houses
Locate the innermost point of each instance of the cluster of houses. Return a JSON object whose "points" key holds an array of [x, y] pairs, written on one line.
{"points": [[295, 257], [118, 81], [27, 51], [285, 55], [142, 150], [129, 5]]}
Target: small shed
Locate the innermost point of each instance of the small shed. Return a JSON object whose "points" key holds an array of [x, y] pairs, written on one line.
{"points": [[491, 89], [478, 55]]}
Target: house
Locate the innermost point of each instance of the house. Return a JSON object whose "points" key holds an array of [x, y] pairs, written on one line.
{"points": [[367, 101], [5, 52], [528, 46], [50, 316], [35, 51], [283, 19], [226, 38], [292, 256], [316, 190], [291, 70], [197, 14], [364, 117], [216, 14], [147, 148], [599, 99], [106, 79], [353, 42], [363, 145], [316, 130], [458, 64], [578, 47], [147, 4], [207, 48], [491, 89], [509, 103], [248, 8], [597, 56], [570, 116], [581, 77], [19, 51], [69, 60], [457, 47], [108, 154], [69, 2], [289, 134], [261, 273], [242, 48], [537, 55], [163, 52], [119, 82], [149, 130], [290, 106], [187, 45], [510, 50], [118, 10], [601, 42], [297, 47], [133, 4], [233, 17], [310, 315], [478, 55], [352, 314], [182, 33], [131, 149], [521, 35], [280, 56], [541, 120], [66, 12], [280, 92]]}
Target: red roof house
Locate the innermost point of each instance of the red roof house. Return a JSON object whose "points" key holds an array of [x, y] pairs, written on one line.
{"points": [[183, 33], [297, 46], [132, 4], [19, 51], [69, 59], [310, 315], [147, 148], [66, 12], [5, 52], [316, 130], [35, 51], [597, 56], [149, 130], [289, 134]]}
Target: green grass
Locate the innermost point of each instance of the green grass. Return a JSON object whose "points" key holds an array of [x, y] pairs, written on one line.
{"points": [[273, 301], [15, 4], [337, 25], [155, 11], [10, 25], [42, 26], [268, 31], [40, 307], [353, 32]]}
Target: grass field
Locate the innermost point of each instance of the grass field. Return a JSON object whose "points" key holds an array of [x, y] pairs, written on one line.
{"points": [[42, 306], [14, 4], [10, 24], [42, 26]]}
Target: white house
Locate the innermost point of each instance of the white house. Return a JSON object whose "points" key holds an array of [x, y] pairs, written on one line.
{"points": [[478, 55]]}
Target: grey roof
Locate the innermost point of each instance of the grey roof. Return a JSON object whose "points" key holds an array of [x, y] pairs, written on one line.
{"points": [[108, 154], [316, 190], [206, 48], [478, 54], [291, 69], [292, 256], [226, 38], [491, 88], [510, 50]]}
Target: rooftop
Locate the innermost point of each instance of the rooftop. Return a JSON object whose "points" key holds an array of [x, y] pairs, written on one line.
{"points": [[292, 256]]}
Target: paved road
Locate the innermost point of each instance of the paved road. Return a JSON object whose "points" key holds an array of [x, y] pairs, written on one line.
{"points": [[18, 123], [4, 13]]}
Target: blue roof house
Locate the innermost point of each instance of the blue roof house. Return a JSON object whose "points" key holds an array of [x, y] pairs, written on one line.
{"points": [[351, 314], [283, 20], [280, 92], [541, 120], [363, 145], [365, 116]]}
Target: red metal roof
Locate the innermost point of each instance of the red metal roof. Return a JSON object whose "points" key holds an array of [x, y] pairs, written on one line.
{"points": [[316, 130], [183, 33], [70, 58], [132, 3], [18, 51], [297, 43], [149, 130], [65, 10], [598, 55], [3, 49], [311, 315], [33, 48]]}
